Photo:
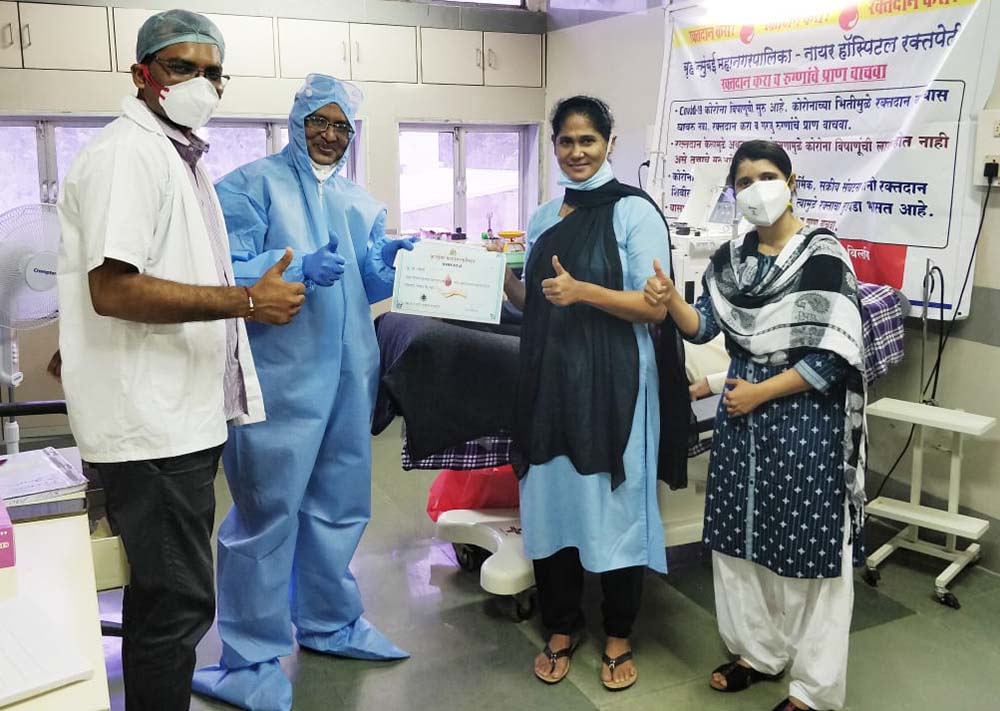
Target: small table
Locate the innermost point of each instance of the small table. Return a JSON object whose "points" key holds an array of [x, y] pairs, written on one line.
{"points": [[953, 524], [55, 569]]}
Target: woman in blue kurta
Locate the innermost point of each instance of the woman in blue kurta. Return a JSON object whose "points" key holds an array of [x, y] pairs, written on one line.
{"points": [[588, 410], [785, 493]]}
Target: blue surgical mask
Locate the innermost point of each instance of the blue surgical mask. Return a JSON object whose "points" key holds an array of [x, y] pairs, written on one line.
{"points": [[603, 175]]}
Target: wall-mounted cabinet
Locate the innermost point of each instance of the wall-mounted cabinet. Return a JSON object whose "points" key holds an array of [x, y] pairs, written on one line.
{"points": [[451, 56], [56, 37], [309, 46], [512, 59], [249, 41], [10, 36], [383, 53]]}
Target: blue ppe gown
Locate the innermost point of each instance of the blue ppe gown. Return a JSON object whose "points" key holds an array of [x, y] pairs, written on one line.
{"points": [[301, 480]]}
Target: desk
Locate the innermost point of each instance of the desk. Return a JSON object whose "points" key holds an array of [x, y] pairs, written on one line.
{"points": [[56, 571]]}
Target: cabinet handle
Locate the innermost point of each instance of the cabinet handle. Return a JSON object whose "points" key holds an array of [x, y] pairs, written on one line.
{"points": [[25, 36], [45, 190], [343, 44], [357, 51], [54, 192], [491, 59], [479, 57], [8, 32]]}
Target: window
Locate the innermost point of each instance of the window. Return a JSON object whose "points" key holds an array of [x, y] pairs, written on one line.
{"points": [[232, 145], [473, 177], [504, 3], [19, 156], [38, 154]]}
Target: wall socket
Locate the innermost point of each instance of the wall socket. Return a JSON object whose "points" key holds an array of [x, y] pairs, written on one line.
{"points": [[987, 145]]}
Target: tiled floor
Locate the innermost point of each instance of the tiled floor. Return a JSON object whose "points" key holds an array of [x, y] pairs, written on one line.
{"points": [[908, 653]]}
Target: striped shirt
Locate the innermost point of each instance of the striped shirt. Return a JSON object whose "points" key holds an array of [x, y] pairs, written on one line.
{"points": [[190, 152]]}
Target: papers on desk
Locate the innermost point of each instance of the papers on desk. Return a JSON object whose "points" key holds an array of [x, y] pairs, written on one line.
{"points": [[34, 657], [41, 474]]}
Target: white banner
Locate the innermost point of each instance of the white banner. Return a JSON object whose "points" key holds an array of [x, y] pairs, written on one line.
{"points": [[874, 103]]}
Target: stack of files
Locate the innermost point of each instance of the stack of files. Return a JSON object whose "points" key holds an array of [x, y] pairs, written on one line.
{"points": [[34, 656], [40, 484]]}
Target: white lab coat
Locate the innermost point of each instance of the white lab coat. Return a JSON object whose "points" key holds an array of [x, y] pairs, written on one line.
{"points": [[137, 391]]}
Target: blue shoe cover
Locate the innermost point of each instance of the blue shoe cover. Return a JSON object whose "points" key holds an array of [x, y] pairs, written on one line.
{"points": [[261, 687], [358, 640]]}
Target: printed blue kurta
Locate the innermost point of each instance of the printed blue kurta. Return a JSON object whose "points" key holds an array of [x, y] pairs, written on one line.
{"points": [[775, 492]]}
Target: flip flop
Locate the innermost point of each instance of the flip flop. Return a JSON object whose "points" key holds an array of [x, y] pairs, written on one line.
{"points": [[554, 657], [612, 663], [739, 677]]}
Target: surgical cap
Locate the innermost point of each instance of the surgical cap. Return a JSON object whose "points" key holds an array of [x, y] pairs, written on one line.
{"points": [[175, 26]]}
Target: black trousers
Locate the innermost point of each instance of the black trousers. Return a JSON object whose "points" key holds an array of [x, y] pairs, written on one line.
{"points": [[164, 510], [559, 581]]}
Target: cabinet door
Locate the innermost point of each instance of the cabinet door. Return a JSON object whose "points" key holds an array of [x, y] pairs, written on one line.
{"points": [[65, 37], [308, 46], [10, 36], [384, 53], [249, 44], [451, 56], [127, 23], [513, 59], [249, 41]]}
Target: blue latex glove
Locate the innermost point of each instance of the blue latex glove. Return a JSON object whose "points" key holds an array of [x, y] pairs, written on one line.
{"points": [[392, 246], [324, 266]]}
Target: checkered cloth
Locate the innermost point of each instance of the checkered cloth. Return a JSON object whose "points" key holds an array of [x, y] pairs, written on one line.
{"points": [[487, 452], [882, 325], [481, 453]]}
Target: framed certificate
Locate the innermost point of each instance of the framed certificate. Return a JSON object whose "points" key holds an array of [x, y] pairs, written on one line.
{"points": [[446, 280]]}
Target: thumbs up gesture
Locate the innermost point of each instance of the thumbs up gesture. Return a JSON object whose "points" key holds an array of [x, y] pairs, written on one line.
{"points": [[659, 288], [324, 266], [563, 289], [277, 301]]}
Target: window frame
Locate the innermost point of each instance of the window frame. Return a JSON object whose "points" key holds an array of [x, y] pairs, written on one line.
{"points": [[459, 131]]}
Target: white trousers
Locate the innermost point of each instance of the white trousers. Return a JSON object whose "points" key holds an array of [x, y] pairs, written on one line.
{"points": [[769, 620]]}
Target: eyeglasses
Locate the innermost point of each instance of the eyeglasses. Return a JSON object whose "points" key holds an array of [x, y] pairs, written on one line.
{"points": [[188, 70], [320, 124]]}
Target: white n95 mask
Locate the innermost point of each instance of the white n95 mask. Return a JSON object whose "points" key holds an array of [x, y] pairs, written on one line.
{"points": [[190, 103], [764, 202]]}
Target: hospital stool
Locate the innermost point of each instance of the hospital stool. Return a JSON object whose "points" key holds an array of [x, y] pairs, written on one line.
{"points": [[953, 524]]}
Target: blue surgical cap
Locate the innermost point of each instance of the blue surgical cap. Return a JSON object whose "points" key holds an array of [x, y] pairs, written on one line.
{"points": [[175, 26], [318, 91]]}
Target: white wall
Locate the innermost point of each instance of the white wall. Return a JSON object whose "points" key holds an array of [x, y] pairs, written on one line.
{"points": [[617, 60]]}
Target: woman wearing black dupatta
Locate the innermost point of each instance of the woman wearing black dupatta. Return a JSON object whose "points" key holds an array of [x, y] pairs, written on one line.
{"points": [[785, 492], [587, 421]]}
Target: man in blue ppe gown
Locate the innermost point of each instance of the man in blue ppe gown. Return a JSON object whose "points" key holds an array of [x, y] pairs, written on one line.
{"points": [[301, 482]]}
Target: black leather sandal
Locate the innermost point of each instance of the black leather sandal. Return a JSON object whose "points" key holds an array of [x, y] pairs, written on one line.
{"points": [[554, 657], [612, 663], [739, 677], [787, 705]]}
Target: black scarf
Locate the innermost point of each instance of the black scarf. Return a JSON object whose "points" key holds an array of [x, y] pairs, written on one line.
{"points": [[579, 366]]}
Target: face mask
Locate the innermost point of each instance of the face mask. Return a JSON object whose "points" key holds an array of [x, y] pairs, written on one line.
{"points": [[602, 176], [322, 172], [190, 103], [764, 202]]}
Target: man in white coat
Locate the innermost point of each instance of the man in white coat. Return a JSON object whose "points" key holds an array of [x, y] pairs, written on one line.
{"points": [[155, 358]]}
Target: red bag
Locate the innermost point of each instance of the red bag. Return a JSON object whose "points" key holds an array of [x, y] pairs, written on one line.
{"points": [[494, 488]]}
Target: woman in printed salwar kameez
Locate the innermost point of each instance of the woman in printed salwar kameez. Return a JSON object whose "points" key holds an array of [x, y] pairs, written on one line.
{"points": [[785, 491]]}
